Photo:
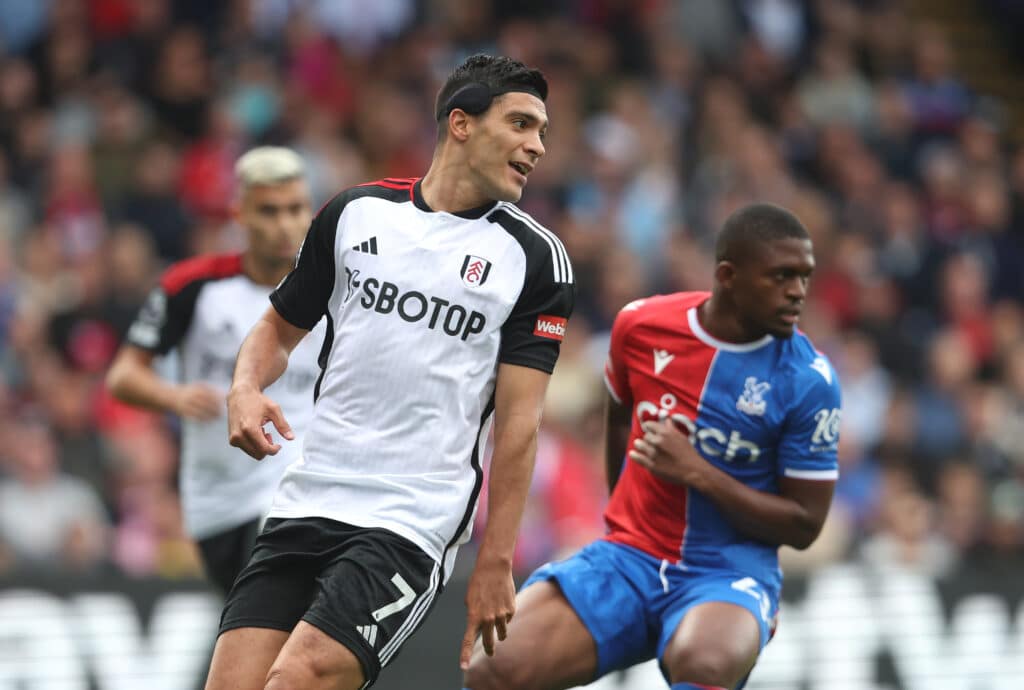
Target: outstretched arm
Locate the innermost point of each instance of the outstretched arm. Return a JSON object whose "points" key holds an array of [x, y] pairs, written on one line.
{"points": [[261, 361], [131, 379], [490, 600], [793, 517]]}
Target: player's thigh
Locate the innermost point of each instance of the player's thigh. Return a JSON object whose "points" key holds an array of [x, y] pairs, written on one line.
{"points": [[243, 657], [225, 554], [548, 647], [277, 586], [716, 643], [313, 660], [374, 595]]}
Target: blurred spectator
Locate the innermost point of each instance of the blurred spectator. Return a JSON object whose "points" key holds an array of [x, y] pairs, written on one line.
{"points": [[72, 209], [153, 204], [130, 259], [121, 128], [46, 517], [962, 505], [150, 538], [964, 302], [15, 212], [207, 183], [905, 538], [938, 100], [180, 87], [835, 91], [940, 424], [890, 136], [866, 390], [713, 27]]}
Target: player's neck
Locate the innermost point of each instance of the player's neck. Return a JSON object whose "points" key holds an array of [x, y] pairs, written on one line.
{"points": [[720, 321], [263, 272], [445, 187]]}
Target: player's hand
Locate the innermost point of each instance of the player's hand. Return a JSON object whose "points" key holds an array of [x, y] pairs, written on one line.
{"points": [[490, 605], [198, 401], [248, 411], [667, 452]]}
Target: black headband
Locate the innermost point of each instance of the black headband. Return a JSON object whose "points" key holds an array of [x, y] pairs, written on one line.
{"points": [[475, 98]]}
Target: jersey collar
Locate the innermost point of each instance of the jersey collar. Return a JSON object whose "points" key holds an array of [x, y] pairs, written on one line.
{"points": [[708, 339], [421, 204]]}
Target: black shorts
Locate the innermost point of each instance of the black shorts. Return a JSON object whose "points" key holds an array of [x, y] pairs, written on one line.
{"points": [[226, 553], [367, 588]]}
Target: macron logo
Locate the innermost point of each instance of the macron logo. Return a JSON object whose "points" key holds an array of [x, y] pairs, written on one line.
{"points": [[661, 360], [821, 366], [552, 327]]}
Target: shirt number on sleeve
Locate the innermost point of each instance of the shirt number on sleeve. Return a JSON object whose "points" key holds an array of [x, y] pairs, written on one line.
{"points": [[827, 431]]}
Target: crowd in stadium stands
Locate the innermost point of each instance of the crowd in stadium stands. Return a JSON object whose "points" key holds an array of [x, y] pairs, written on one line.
{"points": [[120, 122]]}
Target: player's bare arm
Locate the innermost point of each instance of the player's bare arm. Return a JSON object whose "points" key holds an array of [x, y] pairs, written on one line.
{"points": [[490, 599], [261, 361], [793, 517], [617, 424], [132, 380]]}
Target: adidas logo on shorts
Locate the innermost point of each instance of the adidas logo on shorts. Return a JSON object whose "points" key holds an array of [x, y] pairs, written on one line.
{"points": [[369, 632]]}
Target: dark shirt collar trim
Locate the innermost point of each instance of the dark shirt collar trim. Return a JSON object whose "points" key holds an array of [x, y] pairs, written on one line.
{"points": [[421, 204]]}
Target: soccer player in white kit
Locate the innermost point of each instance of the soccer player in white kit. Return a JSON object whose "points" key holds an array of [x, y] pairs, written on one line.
{"points": [[202, 308], [446, 307]]}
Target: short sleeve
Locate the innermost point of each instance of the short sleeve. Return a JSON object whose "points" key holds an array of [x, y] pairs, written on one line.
{"points": [[302, 297], [163, 319], [533, 333], [616, 374], [810, 438], [166, 315]]}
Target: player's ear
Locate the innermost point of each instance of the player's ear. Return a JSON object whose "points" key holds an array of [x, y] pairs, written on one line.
{"points": [[459, 123], [725, 273]]}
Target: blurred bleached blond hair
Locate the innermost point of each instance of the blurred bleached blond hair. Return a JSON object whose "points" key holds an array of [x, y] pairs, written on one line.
{"points": [[268, 165]]}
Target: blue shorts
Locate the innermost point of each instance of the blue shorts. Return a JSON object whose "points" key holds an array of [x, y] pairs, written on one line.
{"points": [[632, 603]]}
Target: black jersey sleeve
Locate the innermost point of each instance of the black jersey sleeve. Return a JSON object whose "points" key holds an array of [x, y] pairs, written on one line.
{"points": [[162, 321], [301, 298], [532, 335], [166, 315]]}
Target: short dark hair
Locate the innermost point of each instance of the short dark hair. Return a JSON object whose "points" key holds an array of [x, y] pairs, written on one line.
{"points": [[756, 224], [499, 74]]}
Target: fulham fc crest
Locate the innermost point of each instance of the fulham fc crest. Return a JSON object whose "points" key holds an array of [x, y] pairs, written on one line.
{"points": [[475, 270]]}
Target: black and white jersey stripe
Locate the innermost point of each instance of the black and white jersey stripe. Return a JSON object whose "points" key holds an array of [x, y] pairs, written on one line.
{"points": [[560, 258]]}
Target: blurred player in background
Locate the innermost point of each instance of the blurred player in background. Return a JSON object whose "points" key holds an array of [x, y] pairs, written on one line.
{"points": [[447, 307], [204, 306], [731, 419]]}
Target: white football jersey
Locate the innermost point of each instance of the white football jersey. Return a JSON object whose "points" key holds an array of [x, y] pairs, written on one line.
{"points": [[422, 306], [205, 307]]}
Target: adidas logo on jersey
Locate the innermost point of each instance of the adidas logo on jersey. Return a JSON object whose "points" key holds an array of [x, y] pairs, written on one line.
{"points": [[366, 246], [369, 633]]}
